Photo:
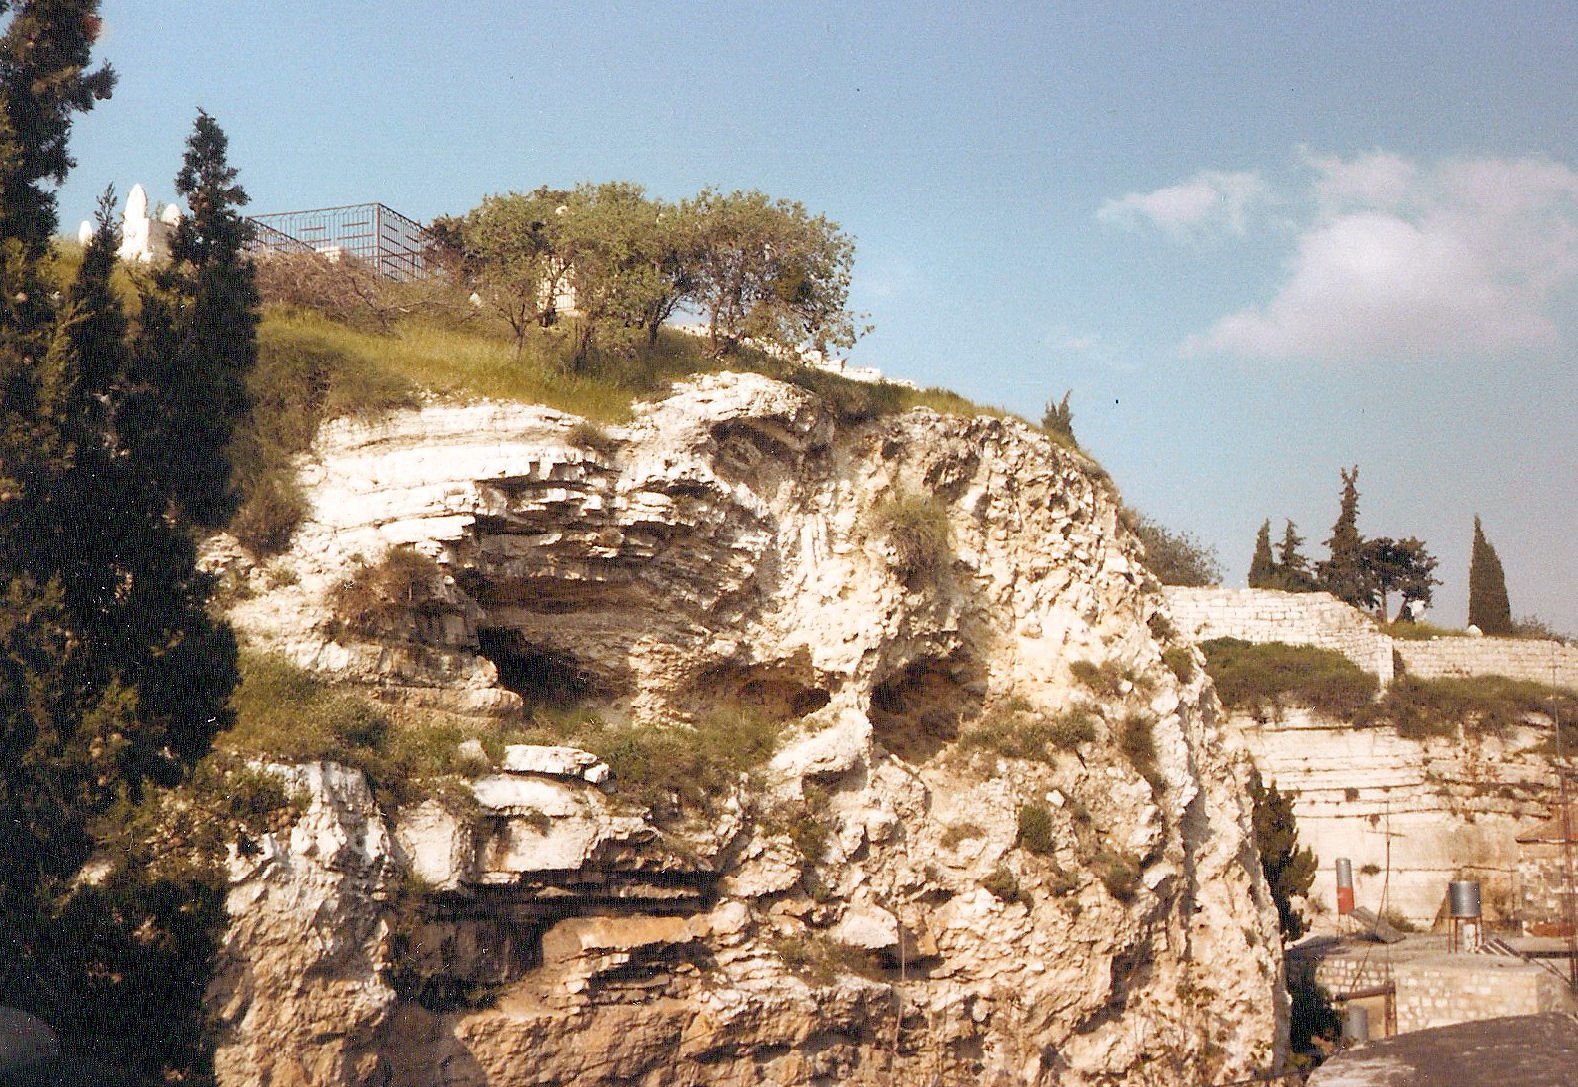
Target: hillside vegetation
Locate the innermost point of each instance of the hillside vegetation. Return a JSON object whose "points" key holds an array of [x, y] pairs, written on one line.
{"points": [[337, 341]]}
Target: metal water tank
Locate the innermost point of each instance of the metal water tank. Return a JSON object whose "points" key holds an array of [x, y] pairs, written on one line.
{"points": [[1356, 1024], [1463, 898], [1344, 886]]}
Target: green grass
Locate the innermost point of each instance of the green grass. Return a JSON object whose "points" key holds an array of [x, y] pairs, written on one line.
{"points": [[1418, 632], [287, 714], [1484, 705], [820, 959], [1110, 679], [916, 528], [1265, 679], [1035, 828], [670, 768], [1015, 731], [1137, 741]]}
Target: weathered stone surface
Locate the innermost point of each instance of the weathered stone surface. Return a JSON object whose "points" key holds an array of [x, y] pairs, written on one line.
{"points": [[725, 557], [564, 762]]}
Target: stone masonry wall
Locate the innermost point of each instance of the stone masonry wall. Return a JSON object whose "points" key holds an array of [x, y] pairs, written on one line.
{"points": [[1518, 658], [1447, 989], [1323, 621], [1268, 615]]}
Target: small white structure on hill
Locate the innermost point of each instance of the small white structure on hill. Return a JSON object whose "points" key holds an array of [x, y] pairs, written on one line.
{"points": [[144, 239]]}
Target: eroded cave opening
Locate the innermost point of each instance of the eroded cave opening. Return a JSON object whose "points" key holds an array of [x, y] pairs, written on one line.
{"points": [[778, 692], [541, 676], [917, 712]]}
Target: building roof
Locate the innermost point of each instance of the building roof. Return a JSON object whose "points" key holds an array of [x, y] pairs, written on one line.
{"points": [[1521, 1051]]}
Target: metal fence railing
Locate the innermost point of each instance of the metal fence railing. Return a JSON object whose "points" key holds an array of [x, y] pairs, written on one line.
{"points": [[381, 237]]}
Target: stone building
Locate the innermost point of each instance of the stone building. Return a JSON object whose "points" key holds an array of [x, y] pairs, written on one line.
{"points": [[1546, 863]]}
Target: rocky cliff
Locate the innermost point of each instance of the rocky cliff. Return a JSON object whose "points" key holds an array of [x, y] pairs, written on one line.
{"points": [[1411, 814], [1000, 840]]}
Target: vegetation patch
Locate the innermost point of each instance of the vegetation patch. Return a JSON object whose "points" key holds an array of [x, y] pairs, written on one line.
{"points": [[1179, 660], [1017, 732], [378, 599], [1264, 679], [1478, 705], [961, 831], [670, 768], [820, 959], [286, 714], [1003, 884], [1404, 630], [916, 528], [1110, 679], [1035, 828], [1137, 741], [1118, 872]]}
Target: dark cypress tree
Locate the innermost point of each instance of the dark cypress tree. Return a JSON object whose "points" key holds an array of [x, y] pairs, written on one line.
{"points": [[1293, 569], [113, 676], [1488, 606], [1262, 567], [1343, 572], [199, 339], [1289, 869]]}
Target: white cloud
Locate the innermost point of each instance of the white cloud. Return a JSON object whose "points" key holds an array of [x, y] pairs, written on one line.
{"points": [[1459, 260], [1209, 201], [1375, 180]]}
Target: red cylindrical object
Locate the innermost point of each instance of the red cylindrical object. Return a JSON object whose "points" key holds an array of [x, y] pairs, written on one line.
{"points": [[1344, 886]]}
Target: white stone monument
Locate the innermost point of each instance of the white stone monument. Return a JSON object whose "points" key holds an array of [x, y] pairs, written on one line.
{"points": [[144, 239]]}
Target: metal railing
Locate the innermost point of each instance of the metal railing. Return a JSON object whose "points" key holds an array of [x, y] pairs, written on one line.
{"points": [[386, 241]]}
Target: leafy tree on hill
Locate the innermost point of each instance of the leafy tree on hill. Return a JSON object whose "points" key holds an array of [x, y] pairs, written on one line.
{"points": [[1488, 606], [510, 250], [1262, 567], [629, 262], [1289, 869], [1402, 566], [1176, 558], [770, 272]]}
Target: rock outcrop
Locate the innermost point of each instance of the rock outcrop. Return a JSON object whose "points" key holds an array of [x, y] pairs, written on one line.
{"points": [[1410, 814], [973, 858]]}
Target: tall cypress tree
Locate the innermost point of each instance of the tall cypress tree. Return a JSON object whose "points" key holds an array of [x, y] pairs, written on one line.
{"points": [[113, 676], [1343, 572], [1288, 867], [1488, 606], [1262, 567], [1293, 568], [199, 338]]}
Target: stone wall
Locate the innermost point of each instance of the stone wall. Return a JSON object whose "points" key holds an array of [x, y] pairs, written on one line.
{"points": [[1424, 811], [1432, 988], [1518, 658], [1447, 989], [1269, 615], [1323, 621]]}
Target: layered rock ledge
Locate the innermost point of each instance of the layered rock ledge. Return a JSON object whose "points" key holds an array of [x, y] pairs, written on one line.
{"points": [[726, 548]]}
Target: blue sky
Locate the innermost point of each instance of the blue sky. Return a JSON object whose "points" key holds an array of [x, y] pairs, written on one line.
{"points": [[1258, 241]]}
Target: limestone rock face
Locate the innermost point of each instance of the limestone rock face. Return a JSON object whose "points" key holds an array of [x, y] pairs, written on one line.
{"points": [[1411, 814], [972, 858]]}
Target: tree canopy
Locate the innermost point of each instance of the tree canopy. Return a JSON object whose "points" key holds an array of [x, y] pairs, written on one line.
{"points": [[754, 269], [1360, 571], [1488, 606], [1288, 867], [1176, 558], [114, 676]]}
